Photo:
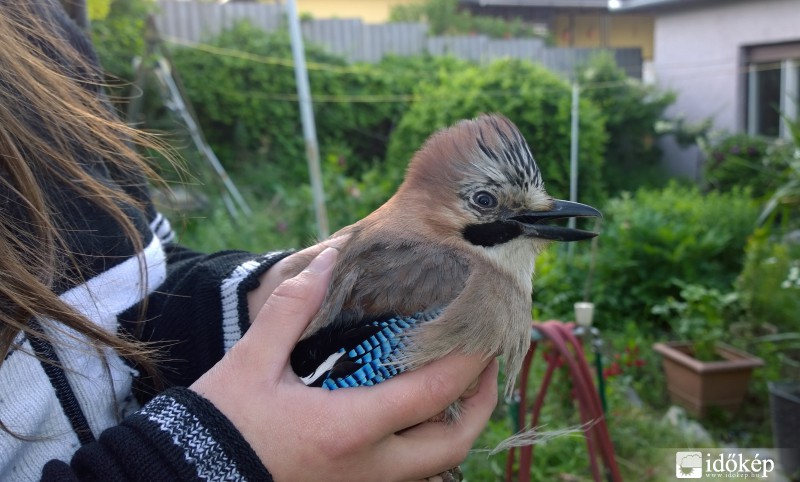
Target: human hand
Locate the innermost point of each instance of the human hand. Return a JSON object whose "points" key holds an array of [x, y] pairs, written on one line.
{"points": [[284, 269], [381, 432]]}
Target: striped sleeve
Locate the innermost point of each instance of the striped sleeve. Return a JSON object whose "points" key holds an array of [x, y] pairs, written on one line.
{"points": [[202, 303], [178, 436], [200, 310], [233, 293], [162, 229]]}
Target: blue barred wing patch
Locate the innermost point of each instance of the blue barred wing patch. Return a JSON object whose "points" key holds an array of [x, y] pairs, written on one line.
{"points": [[375, 358]]}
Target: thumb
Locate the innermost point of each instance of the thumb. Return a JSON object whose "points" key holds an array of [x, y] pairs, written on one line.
{"points": [[286, 314]]}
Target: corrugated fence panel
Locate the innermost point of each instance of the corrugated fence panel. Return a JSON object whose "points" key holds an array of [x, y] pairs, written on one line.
{"points": [[195, 21], [264, 16], [359, 42], [340, 37], [393, 38], [469, 48], [529, 49]]}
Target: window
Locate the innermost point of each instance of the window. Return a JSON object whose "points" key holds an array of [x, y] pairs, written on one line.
{"points": [[773, 88]]}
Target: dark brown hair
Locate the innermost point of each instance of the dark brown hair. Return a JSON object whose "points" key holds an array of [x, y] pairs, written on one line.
{"points": [[43, 77]]}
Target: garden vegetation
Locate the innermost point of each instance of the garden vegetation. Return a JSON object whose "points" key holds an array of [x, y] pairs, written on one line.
{"points": [[669, 250]]}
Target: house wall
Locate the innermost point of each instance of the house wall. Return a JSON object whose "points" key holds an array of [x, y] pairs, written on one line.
{"points": [[698, 54], [369, 11]]}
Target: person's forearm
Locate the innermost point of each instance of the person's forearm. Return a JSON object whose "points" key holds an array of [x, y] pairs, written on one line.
{"points": [[178, 436]]}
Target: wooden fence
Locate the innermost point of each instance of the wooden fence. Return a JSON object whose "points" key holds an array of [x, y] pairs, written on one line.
{"points": [[360, 42]]}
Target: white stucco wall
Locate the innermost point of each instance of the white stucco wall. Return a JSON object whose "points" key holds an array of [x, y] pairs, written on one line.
{"points": [[698, 53]]}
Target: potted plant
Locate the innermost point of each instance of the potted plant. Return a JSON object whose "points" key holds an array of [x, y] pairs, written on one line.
{"points": [[700, 370]]}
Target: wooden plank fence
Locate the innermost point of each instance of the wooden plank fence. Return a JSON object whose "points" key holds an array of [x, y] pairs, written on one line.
{"points": [[360, 42]]}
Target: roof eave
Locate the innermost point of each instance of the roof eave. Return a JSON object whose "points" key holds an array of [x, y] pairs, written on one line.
{"points": [[540, 3], [633, 5]]}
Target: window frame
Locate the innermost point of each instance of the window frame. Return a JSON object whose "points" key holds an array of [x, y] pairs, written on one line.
{"points": [[787, 55]]}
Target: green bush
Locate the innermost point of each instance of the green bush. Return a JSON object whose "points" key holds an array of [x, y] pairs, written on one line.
{"points": [[649, 240], [631, 110], [248, 108], [700, 316], [782, 208], [119, 37], [770, 281], [739, 160], [675, 233], [286, 218], [535, 99], [444, 18]]}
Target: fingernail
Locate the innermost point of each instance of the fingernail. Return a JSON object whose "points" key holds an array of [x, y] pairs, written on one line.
{"points": [[323, 261], [338, 241], [472, 389]]}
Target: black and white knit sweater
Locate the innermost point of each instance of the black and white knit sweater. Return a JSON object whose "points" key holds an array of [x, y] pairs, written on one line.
{"points": [[82, 411], [86, 408]]}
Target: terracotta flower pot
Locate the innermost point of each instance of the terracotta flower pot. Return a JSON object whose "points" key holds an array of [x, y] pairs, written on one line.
{"points": [[696, 385]]}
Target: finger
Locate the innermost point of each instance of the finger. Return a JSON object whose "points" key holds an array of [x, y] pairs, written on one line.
{"points": [[289, 310], [475, 411], [414, 397], [491, 370], [294, 264], [318, 248], [472, 389], [487, 387], [288, 267], [433, 447]]}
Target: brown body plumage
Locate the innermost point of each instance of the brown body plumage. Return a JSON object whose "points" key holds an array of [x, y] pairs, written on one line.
{"points": [[461, 235]]}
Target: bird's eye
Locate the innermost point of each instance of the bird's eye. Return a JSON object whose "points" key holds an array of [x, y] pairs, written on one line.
{"points": [[484, 199]]}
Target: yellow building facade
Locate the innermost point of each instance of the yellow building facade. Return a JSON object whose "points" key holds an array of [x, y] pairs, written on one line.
{"points": [[605, 31], [569, 28], [369, 11]]}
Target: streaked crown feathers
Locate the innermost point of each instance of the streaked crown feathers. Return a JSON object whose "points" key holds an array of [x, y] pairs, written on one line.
{"points": [[489, 144]]}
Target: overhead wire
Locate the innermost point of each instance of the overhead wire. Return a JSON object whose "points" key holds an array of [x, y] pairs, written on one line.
{"points": [[262, 59], [371, 98], [343, 98]]}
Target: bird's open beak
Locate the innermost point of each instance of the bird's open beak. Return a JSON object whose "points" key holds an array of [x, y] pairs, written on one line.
{"points": [[532, 222]]}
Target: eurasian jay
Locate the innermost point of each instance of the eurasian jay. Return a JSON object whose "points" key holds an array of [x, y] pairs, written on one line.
{"points": [[443, 266]]}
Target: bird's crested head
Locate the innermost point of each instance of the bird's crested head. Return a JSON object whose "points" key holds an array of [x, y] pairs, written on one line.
{"points": [[479, 178]]}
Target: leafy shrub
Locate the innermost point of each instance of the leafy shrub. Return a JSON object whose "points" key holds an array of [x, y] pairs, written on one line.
{"points": [[770, 281], [400, 80], [631, 110], [444, 18], [739, 160], [348, 198], [247, 108], [783, 206], [118, 37], [648, 240], [700, 316], [769, 167], [535, 99], [286, 219], [675, 233]]}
